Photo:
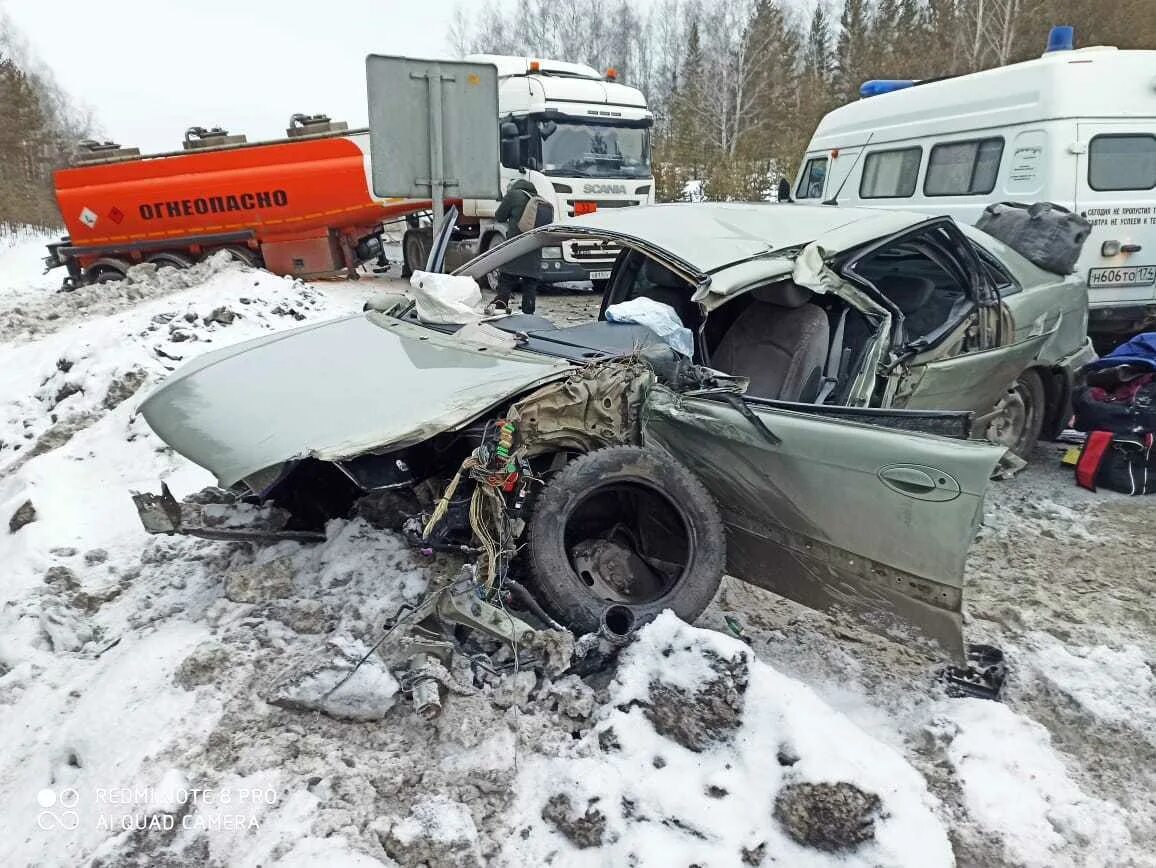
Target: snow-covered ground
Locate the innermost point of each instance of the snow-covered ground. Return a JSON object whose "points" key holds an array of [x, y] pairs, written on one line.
{"points": [[163, 701]]}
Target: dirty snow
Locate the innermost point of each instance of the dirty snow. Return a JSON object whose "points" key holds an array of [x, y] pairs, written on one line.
{"points": [[172, 701]]}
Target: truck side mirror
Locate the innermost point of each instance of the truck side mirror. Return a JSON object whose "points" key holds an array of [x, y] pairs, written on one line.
{"points": [[784, 190], [510, 153], [509, 130]]}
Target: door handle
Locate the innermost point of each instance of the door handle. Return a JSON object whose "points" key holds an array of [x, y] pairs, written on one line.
{"points": [[910, 479], [920, 482]]}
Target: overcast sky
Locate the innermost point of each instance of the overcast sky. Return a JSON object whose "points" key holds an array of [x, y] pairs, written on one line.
{"points": [[151, 68]]}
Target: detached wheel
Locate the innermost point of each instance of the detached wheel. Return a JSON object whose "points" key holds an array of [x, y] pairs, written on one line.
{"points": [[1019, 417], [624, 526]]}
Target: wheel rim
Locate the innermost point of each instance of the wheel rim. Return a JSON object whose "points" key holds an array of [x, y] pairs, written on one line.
{"points": [[1014, 418], [628, 542]]}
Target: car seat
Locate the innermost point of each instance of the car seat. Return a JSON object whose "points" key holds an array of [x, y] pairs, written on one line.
{"points": [[779, 342], [912, 295], [661, 284]]}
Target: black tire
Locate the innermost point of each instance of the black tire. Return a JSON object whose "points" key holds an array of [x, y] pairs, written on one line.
{"points": [[1021, 420], [169, 259], [107, 270], [413, 252], [673, 515], [238, 253]]}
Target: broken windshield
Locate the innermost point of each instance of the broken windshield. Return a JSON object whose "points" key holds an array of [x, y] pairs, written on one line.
{"points": [[594, 150]]}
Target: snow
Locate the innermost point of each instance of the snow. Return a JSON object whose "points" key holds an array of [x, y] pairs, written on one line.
{"points": [[1016, 786], [780, 715], [22, 273], [128, 675]]}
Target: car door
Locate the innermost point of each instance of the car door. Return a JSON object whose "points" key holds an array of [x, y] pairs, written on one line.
{"points": [[968, 361], [1116, 192], [835, 514]]}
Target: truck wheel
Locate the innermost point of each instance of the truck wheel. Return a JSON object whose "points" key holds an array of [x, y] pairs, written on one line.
{"points": [[1020, 415], [106, 271], [240, 254], [413, 252], [169, 259], [490, 280], [625, 527]]}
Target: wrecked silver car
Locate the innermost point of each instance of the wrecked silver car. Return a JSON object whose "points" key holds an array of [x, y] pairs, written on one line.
{"points": [[880, 310], [597, 476]]}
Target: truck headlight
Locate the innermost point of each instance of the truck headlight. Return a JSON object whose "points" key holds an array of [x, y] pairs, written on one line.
{"points": [[551, 252]]}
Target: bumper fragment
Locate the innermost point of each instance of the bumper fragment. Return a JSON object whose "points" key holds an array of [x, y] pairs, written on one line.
{"points": [[164, 514]]}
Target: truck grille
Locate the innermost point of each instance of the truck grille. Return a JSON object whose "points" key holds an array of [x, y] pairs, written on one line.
{"points": [[592, 252]]}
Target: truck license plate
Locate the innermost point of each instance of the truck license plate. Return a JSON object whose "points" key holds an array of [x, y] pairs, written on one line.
{"points": [[1121, 276], [599, 275]]}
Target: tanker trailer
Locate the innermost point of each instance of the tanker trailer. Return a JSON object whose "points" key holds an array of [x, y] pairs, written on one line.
{"points": [[301, 206]]}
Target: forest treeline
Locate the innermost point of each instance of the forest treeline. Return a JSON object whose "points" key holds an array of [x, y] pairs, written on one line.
{"points": [[39, 129], [737, 86]]}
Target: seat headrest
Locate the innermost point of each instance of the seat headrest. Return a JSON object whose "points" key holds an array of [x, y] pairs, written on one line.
{"points": [[783, 293], [659, 275], [907, 292]]}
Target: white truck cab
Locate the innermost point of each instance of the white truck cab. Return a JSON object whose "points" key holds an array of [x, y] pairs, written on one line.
{"points": [[581, 138], [1074, 127]]}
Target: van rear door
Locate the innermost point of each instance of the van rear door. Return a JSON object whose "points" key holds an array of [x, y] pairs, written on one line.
{"points": [[1116, 191]]}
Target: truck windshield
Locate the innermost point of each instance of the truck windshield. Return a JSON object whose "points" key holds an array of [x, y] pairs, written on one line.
{"points": [[594, 150]]}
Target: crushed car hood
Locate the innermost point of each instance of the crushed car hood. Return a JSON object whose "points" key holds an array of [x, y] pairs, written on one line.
{"points": [[331, 391]]}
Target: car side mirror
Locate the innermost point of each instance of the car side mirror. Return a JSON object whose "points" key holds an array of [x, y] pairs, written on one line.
{"points": [[784, 190]]}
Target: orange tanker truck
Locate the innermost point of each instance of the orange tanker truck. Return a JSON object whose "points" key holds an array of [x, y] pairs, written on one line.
{"points": [[301, 206]]}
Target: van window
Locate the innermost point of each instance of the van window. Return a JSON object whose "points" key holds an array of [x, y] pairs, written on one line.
{"points": [[1122, 162], [811, 182], [890, 174], [963, 168]]}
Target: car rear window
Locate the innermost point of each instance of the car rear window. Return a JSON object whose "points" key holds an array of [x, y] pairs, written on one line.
{"points": [[890, 174], [963, 168], [1122, 162]]}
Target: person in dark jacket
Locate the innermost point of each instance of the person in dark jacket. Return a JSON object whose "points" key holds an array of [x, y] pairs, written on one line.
{"points": [[521, 274]]}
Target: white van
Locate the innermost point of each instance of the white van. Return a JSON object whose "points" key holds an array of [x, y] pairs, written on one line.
{"points": [[1075, 127]]}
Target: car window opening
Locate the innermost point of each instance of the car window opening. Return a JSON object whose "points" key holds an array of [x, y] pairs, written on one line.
{"points": [[780, 336], [925, 284]]}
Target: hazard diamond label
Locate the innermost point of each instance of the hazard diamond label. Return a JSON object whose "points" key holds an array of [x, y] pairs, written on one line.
{"points": [[115, 215], [88, 217]]}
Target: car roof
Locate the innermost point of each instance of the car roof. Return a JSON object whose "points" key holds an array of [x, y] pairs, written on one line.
{"points": [[712, 235]]}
